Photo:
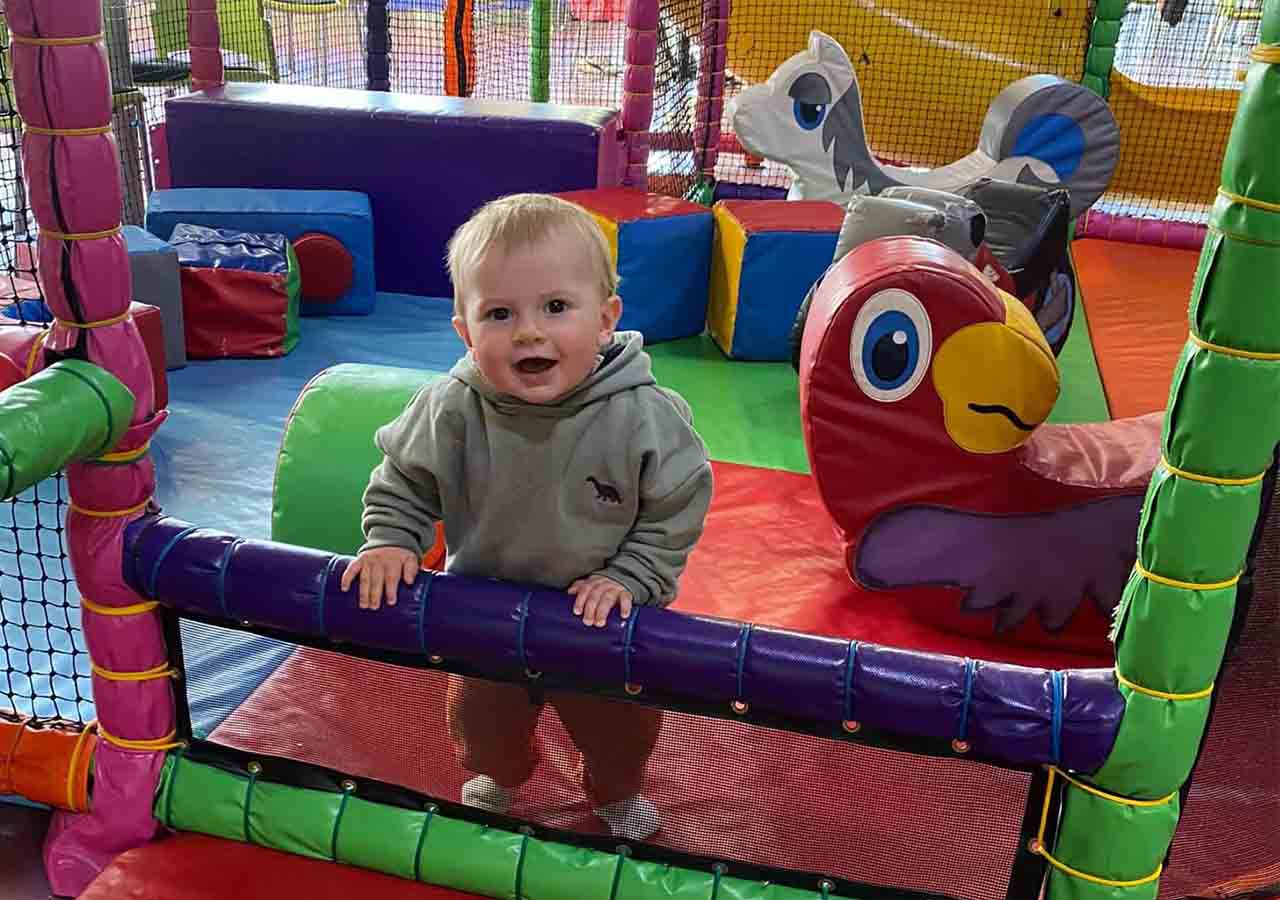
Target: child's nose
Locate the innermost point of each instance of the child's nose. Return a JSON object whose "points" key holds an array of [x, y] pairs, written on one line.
{"points": [[528, 331]]}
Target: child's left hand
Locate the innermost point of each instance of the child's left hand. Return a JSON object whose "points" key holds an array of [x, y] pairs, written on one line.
{"points": [[595, 596]]}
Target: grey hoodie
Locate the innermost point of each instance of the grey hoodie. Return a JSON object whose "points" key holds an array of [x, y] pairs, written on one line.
{"points": [[611, 479]]}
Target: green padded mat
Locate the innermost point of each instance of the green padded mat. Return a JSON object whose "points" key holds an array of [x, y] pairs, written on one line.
{"points": [[749, 412]]}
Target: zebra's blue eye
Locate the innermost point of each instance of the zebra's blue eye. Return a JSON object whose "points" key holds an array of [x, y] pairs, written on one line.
{"points": [[809, 115]]}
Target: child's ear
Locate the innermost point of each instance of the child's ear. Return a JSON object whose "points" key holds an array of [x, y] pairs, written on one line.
{"points": [[460, 326], [610, 313]]}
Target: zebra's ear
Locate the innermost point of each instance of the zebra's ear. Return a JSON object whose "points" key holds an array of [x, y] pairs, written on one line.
{"points": [[827, 51]]}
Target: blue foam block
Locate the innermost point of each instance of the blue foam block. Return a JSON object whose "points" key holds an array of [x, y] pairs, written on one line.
{"points": [[778, 268], [665, 265], [345, 215]]}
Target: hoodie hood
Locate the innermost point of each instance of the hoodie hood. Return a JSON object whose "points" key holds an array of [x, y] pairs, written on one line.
{"points": [[625, 366]]}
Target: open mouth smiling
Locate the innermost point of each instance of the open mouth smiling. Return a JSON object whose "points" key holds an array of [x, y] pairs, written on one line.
{"points": [[534, 365]]}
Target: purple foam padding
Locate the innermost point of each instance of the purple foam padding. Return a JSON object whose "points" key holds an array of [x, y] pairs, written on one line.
{"points": [[1005, 712], [426, 163]]}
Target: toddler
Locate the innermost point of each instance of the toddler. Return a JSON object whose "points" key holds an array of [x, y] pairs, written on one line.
{"points": [[552, 457]]}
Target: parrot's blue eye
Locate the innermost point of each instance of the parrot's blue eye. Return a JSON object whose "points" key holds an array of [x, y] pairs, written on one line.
{"points": [[890, 346], [890, 349], [809, 115]]}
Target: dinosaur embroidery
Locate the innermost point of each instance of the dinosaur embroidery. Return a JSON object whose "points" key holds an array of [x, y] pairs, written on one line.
{"points": [[605, 493]]}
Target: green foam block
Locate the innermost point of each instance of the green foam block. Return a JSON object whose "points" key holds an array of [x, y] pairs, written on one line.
{"points": [[327, 452]]}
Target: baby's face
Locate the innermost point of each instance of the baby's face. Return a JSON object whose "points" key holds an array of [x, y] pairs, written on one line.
{"points": [[534, 319]]}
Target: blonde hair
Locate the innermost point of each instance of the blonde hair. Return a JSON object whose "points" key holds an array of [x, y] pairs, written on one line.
{"points": [[522, 220]]}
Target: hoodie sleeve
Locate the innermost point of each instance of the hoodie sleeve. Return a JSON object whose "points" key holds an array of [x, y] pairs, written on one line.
{"points": [[675, 494], [402, 501]]}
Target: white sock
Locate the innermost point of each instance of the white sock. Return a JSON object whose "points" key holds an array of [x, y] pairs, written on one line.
{"points": [[484, 793], [634, 818]]}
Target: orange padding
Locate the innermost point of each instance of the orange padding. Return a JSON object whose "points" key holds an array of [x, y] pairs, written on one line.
{"points": [[1135, 297], [47, 762]]}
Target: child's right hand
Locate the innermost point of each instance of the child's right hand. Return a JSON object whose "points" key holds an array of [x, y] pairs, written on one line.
{"points": [[380, 571]]}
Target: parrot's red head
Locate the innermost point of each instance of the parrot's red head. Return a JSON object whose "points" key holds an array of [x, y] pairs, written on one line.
{"points": [[919, 381]]}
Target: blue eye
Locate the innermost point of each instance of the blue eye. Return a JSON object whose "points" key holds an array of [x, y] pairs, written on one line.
{"points": [[890, 346], [809, 115], [890, 350]]}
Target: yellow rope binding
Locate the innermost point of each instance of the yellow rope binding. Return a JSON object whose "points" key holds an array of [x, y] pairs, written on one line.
{"points": [[109, 513], [1210, 479], [1249, 201], [125, 456], [82, 235], [134, 610], [1106, 795], [158, 745], [1185, 585], [1233, 351], [56, 42], [1162, 695], [35, 351], [68, 132], [161, 671], [1266, 53], [101, 323], [83, 739], [1038, 844]]}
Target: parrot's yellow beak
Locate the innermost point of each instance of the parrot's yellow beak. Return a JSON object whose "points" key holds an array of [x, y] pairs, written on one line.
{"points": [[997, 381]]}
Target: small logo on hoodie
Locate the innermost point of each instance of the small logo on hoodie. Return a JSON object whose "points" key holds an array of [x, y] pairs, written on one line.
{"points": [[605, 493]]}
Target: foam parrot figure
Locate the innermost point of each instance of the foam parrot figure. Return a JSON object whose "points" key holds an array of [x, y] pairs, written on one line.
{"points": [[924, 391]]}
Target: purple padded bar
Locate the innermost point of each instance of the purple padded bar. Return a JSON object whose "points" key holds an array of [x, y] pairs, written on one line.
{"points": [[1019, 715], [426, 163]]}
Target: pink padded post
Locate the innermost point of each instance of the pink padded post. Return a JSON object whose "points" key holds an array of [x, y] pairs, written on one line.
{"points": [[205, 40], [72, 172], [1133, 230], [637, 88], [710, 104]]}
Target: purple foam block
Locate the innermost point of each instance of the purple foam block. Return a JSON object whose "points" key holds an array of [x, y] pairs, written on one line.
{"points": [[426, 163], [796, 674]]}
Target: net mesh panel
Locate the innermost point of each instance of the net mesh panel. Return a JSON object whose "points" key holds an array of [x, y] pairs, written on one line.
{"points": [[673, 168], [1228, 843], [585, 49], [725, 789], [44, 664], [417, 46], [1174, 92], [44, 667]]}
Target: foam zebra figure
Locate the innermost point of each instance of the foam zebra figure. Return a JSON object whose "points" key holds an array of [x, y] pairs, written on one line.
{"points": [[1040, 130]]}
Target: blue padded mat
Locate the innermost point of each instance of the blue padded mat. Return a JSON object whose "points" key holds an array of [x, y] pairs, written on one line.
{"points": [[215, 459]]}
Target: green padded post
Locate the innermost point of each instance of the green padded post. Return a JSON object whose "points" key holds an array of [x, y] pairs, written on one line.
{"points": [[1101, 55], [68, 412], [1220, 435], [540, 51], [327, 452], [423, 845]]}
